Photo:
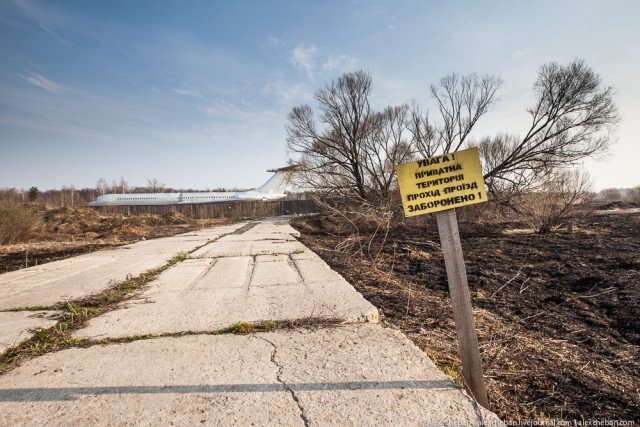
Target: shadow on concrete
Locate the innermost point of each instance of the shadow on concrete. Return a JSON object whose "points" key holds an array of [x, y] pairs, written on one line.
{"points": [[71, 393]]}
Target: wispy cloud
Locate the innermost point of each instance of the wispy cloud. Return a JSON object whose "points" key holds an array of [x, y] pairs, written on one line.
{"points": [[341, 63], [44, 83], [520, 53], [275, 41], [54, 34], [289, 94], [45, 19], [303, 59], [188, 92]]}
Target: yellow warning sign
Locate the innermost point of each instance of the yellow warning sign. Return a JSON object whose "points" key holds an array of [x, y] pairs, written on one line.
{"points": [[443, 182]]}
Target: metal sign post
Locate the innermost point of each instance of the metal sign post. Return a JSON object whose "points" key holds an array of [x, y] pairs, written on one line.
{"points": [[438, 185]]}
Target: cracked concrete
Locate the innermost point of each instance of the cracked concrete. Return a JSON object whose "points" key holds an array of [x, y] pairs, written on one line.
{"points": [[357, 374], [81, 276], [17, 326], [192, 380], [354, 374], [220, 288], [84, 275], [294, 396]]}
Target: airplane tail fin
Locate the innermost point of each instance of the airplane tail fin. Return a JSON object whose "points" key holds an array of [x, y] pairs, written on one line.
{"points": [[278, 182]]}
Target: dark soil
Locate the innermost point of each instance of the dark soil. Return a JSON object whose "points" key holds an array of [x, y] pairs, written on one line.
{"points": [[558, 315], [15, 257]]}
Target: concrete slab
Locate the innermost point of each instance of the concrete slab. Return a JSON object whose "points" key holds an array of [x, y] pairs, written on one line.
{"points": [[18, 326], [249, 236], [369, 375], [356, 374], [209, 294], [352, 375], [83, 275], [250, 248], [49, 287], [269, 229], [196, 380], [215, 232]]}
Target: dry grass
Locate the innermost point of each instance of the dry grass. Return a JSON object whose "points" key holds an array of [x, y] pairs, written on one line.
{"points": [[66, 232], [17, 223]]}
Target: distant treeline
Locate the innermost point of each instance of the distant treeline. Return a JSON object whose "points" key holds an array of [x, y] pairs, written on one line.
{"points": [[72, 197], [50, 199]]}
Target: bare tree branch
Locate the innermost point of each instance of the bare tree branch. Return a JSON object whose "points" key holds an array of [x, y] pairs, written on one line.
{"points": [[461, 102], [573, 118]]}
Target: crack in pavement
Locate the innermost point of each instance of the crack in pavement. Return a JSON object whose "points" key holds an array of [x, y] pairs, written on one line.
{"points": [[292, 392]]}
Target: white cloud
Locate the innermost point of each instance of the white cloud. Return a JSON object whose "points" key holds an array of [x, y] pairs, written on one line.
{"points": [[275, 41], [520, 53], [46, 84], [187, 92], [342, 63], [303, 59], [289, 95]]}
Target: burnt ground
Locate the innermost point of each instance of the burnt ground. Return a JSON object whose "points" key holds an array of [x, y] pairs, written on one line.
{"points": [[68, 232], [558, 315]]}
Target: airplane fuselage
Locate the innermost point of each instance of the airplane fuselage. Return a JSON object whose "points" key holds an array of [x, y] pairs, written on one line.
{"points": [[273, 189], [147, 199]]}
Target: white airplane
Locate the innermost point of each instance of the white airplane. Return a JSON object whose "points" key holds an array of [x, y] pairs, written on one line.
{"points": [[271, 190]]}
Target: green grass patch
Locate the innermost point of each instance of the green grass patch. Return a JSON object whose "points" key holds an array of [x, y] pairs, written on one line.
{"points": [[74, 315], [240, 327], [453, 373], [266, 325]]}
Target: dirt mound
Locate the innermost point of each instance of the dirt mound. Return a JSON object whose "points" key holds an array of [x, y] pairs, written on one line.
{"points": [[619, 204], [72, 231], [90, 224]]}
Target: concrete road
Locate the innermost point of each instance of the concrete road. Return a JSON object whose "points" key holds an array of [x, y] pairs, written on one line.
{"points": [[78, 277], [60, 281], [357, 373], [16, 326]]}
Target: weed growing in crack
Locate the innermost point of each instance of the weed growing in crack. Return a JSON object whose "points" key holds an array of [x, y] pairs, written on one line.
{"points": [[76, 314], [28, 308], [266, 325], [453, 373], [239, 327]]}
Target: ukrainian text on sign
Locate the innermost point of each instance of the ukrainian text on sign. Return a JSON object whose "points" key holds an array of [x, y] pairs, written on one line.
{"points": [[443, 182]]}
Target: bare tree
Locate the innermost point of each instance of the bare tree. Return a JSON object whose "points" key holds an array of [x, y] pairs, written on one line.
{"points": [[353, 150], [573, 118], [563, 194], [634, 194], [611, 194], [461, 102], [119, 187], [102, 186], [124, 185], [154, 185], [386, 147], [332, 158], [71, 190]]}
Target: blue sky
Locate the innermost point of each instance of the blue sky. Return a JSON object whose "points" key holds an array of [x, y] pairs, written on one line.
{"points": [[196, 93]]}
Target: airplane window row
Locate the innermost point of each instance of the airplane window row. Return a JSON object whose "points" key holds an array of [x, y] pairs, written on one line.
{"points": [[203, 197]]}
